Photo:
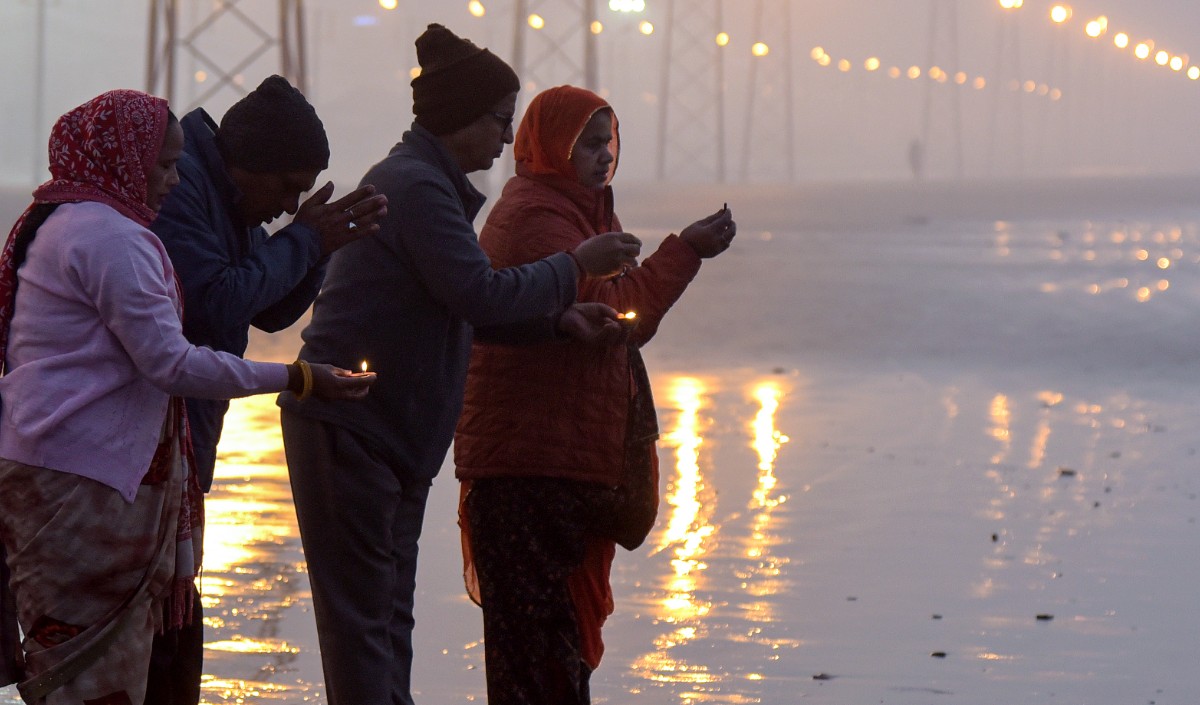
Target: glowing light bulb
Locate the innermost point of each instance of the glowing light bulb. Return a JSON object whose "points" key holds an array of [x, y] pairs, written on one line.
{"points": [[760, 49], [536, 21], [596, 27], [871, 64], [1060, 14], [388, 4], [722, 39], [646, 28], [1121, 40]]}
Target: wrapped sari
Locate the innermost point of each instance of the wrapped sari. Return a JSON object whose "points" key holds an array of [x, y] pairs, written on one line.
{"points": [[91, 571]]}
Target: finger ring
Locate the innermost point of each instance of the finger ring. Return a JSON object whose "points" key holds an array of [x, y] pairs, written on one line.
{"points": [[351, 226]]}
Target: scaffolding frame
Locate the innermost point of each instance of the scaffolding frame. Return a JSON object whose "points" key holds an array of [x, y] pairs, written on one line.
{"points": [[166, 39]]}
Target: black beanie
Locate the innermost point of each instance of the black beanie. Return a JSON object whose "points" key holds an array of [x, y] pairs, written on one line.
{"points": [[273, 129], [458, 81]]}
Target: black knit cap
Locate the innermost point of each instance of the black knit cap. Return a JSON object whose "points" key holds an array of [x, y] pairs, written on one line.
{"points": [[458, 81], [273, 129]]}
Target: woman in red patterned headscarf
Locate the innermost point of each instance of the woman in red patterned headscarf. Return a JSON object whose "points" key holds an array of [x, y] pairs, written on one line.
{"points": [[556, 443], [99, 513]]}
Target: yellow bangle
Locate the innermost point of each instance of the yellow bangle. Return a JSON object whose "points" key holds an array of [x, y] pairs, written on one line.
{"points": [[306, 373]]}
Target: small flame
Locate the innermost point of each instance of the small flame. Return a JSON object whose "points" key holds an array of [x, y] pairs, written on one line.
{"points": [[364, 365], [628, 315]]}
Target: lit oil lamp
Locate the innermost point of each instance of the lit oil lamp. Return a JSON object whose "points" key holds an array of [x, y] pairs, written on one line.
{"points": [[365, 371]]}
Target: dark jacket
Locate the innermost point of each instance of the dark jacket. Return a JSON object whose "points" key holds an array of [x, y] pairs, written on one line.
{"points": [[559, 409], [233, 275], [406, 300]]}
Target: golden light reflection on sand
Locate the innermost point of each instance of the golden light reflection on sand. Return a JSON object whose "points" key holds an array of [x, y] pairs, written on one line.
{"points": [[245, 645], [763, 577], [228, 690], [233, 536], [252, 563], [250, 507], [1051, 500], [689, 537], [1001, 427], [691, 504], [767, 440]]}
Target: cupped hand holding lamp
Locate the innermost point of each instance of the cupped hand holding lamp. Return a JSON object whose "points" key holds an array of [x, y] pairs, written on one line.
{"points": [[326, 381]]}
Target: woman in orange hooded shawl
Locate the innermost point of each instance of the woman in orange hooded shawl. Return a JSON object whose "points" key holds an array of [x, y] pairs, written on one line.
{"points": [[555, 446]]}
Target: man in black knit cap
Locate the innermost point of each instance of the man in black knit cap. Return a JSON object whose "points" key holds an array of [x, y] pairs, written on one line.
{"points": [[408, 301], [234, 178]]}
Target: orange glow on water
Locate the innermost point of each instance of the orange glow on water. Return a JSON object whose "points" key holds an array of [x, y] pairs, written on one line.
{"points": [[767, 441], [691, 504], [1001, 428]]}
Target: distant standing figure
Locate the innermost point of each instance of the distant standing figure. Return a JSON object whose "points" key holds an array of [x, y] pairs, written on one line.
{"points": [[556, 444], [100, 508], [916, 158], [408, 302]]}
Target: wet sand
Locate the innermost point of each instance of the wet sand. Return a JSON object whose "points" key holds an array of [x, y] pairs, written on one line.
{"points": [[945, 461]]}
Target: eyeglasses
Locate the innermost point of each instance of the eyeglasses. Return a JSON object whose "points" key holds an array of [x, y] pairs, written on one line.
{"points": [[506, 121]]}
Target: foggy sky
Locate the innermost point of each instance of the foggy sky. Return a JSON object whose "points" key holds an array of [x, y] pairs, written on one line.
{"points": [[1117, 115]]}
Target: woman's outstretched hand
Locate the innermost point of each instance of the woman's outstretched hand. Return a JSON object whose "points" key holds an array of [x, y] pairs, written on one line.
{"points": [[711, 236], [331, 382], [592, 323], [607, 254]]}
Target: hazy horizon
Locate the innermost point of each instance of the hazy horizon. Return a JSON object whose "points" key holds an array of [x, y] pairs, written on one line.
{"points": [[1089, 108]]}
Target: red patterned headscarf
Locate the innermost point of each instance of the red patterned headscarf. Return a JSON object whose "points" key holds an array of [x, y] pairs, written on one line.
{"points": [[101, 151]]}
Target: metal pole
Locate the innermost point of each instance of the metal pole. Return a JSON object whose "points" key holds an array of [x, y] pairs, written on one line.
{"points": [[664, 93], [927, 94], [753, 84], [958, 126], [301, 44], [172, 28], [590, 63], [788, 57], [151, 47], [519, 38], [39, 89], [721, 175], [285, 44], [1019, 100], [997, 78]]}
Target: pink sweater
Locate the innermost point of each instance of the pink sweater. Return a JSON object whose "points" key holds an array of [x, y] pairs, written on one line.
{"points": [[96, 349]]}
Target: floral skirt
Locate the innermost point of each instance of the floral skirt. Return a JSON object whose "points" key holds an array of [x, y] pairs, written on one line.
{"points": [[530, 540]]}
